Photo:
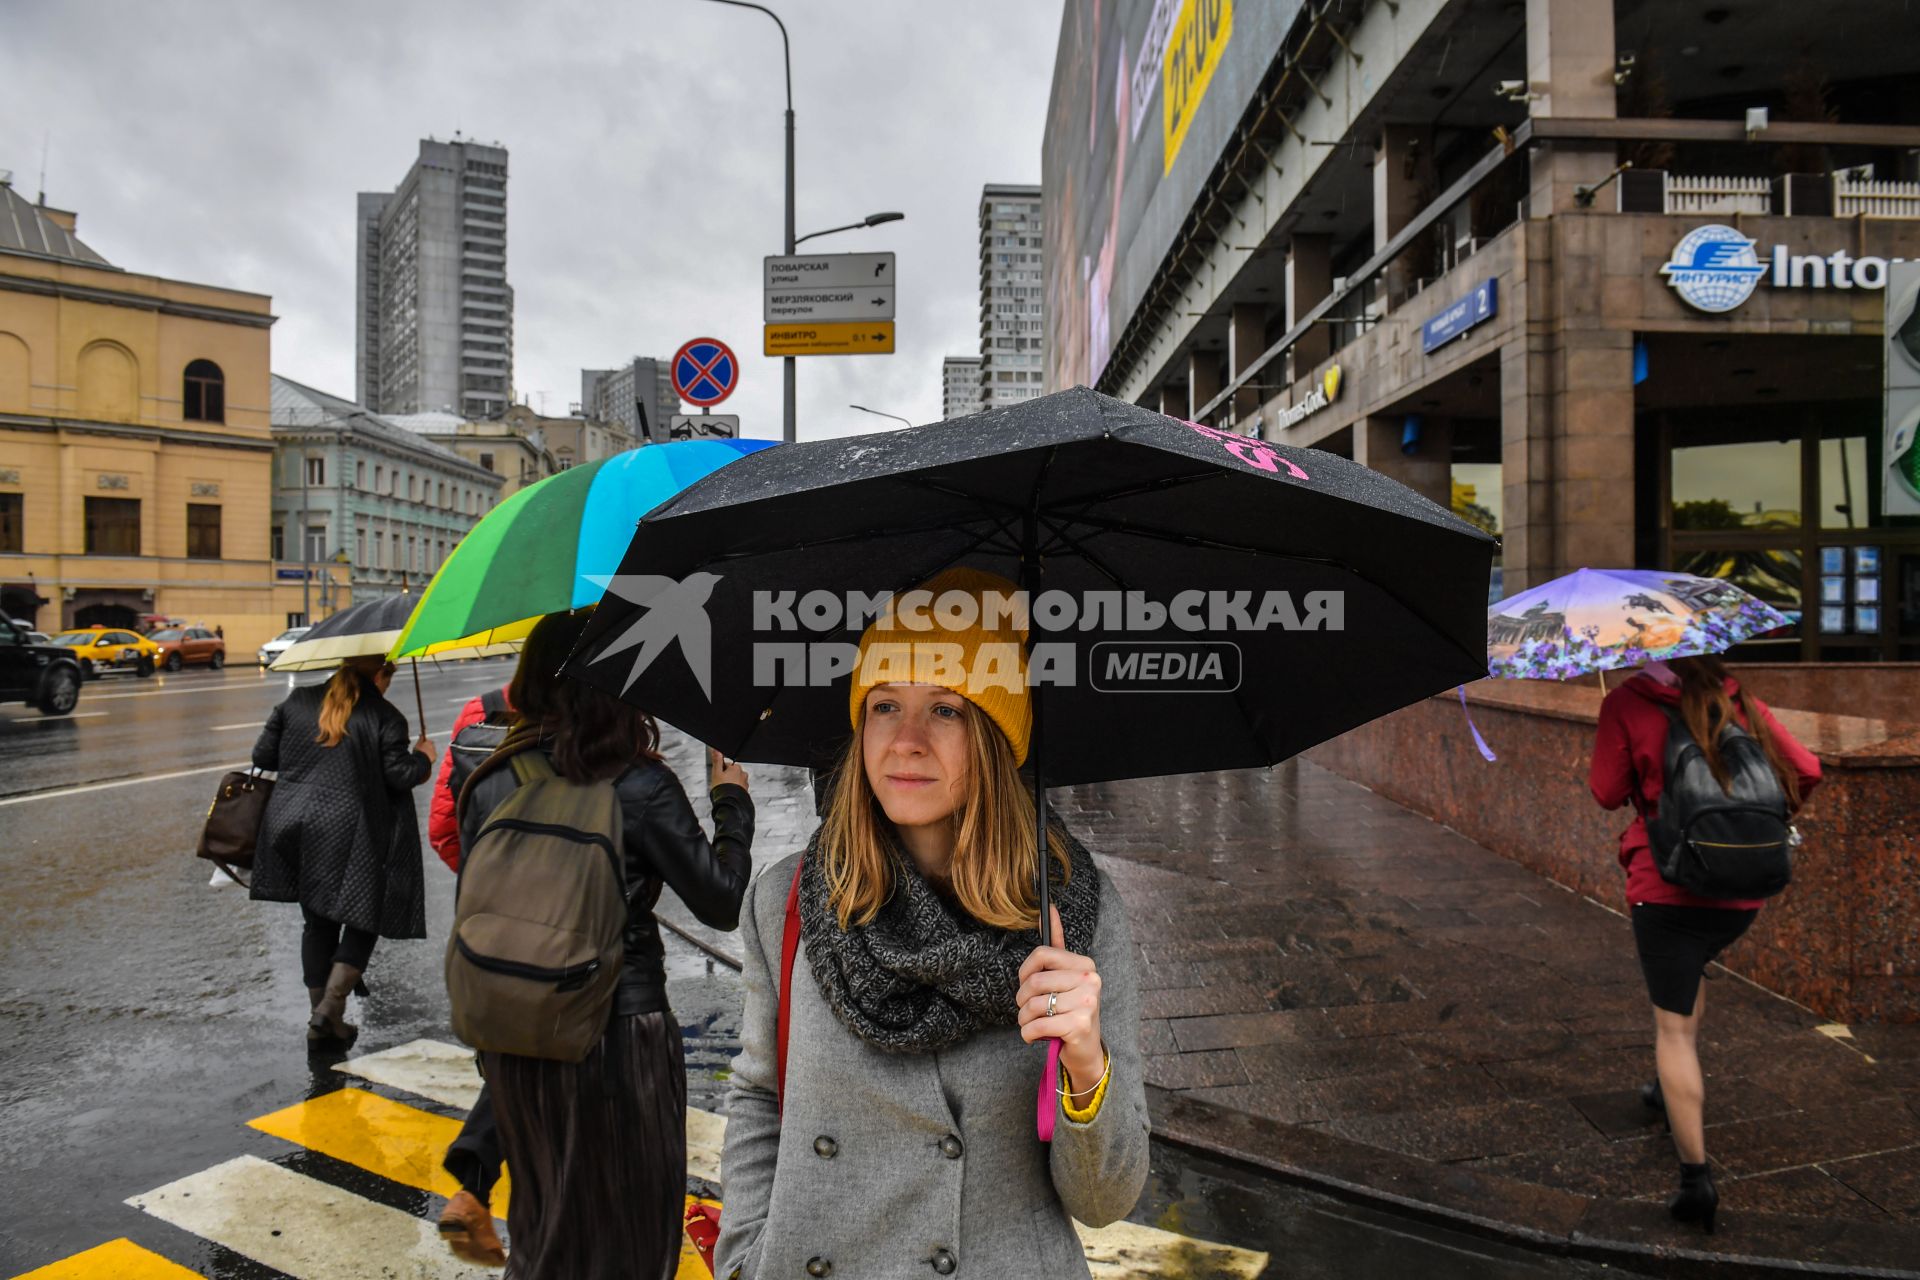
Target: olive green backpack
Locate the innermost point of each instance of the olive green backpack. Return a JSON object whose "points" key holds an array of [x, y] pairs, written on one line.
{"points": [[540, 919]]}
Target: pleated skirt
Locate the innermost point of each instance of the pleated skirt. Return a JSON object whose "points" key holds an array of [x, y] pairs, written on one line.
{"points": [[597, 1151]]}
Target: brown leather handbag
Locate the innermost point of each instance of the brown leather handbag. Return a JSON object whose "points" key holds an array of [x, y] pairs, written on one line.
{"points": [[233, 822]]}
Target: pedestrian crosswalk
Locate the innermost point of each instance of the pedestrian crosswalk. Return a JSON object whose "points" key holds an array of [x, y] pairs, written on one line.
{"points": [[302, 1226], [121, 1259]]}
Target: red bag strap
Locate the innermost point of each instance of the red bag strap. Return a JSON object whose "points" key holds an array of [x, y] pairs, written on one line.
{"points": [[789, 947]]}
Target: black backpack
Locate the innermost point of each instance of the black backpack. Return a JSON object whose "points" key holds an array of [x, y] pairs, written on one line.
{"points": [[478, 740], [1734, 843]]}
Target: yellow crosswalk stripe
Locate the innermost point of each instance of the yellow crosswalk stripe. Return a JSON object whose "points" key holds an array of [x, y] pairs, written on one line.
{"points": [[114, 1260], [400, 1143]]}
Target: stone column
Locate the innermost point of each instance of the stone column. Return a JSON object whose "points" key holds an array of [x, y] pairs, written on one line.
{"points": [[1309, 280], [1567, 454], [1428, 470], [1403, 183], [1203, 381], [1246, 341], [1526, 472], [1570, 64]]}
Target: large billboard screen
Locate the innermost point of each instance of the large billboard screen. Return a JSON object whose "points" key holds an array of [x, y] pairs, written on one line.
{"points": [[1146, 95]]}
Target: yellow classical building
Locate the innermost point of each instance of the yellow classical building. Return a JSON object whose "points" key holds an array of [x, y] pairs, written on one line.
{"points": [[135, 458]]}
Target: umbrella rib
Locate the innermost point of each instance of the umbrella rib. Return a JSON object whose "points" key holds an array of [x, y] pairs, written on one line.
{"points": [[1063, 537]]}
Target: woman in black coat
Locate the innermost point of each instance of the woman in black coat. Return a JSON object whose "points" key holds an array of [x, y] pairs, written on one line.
{"points": [[340, 835]]}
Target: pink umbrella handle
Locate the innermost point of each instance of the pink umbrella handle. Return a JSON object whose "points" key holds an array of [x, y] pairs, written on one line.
{"points": [[1049, 1091]]}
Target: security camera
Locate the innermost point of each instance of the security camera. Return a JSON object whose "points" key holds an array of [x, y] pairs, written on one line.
{"points": [[1511, 88]]}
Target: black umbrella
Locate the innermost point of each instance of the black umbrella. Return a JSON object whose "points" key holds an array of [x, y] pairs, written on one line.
{"points": [[357, 631], [1376, 597]]}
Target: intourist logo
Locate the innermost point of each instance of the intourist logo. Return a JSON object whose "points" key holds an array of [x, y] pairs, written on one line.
{"points": [[1714, 268]]}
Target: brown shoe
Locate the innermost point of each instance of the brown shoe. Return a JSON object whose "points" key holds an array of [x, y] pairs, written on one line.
{"points": [[467, 1227], [329, 1020]]}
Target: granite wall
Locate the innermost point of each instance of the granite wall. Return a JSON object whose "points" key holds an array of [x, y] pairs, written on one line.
{"points": [[1844, 939]]}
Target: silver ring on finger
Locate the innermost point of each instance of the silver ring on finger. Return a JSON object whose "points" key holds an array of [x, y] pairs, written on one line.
{"points": [[1053, 1003]]}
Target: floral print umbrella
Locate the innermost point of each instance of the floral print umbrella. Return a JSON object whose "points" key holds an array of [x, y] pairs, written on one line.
{"points": [[1608, 619]]}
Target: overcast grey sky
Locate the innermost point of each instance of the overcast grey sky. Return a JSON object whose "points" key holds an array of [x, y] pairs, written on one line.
{"points": [[223, 142]]}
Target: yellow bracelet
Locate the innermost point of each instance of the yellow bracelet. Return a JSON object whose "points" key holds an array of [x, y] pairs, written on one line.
{"points": [[1088, 1113]]}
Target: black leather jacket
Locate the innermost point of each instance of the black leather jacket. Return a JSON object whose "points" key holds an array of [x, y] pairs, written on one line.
{"points": [[663, 844]]}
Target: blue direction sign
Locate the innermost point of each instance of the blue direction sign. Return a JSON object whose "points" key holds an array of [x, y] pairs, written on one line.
{"points": [[1476, 308], [705, 371]]}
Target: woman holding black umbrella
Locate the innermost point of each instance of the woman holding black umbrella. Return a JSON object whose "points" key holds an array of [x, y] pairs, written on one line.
{"points": [[897, 1128], [340, 836]]}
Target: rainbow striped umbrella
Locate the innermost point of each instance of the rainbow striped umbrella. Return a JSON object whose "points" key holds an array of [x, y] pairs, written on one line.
{"points": [[540, 551]]}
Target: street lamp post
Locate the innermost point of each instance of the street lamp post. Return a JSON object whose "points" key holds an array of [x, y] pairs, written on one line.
{"points": [[876, 413], [306, 563], [871, 220], [787, 429]]}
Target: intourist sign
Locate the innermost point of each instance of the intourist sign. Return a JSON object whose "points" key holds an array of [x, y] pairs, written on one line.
{"points": [[1715, 268]]}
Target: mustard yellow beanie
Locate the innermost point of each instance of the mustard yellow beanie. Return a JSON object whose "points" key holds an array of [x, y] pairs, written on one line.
{"points": [[984, 662]]}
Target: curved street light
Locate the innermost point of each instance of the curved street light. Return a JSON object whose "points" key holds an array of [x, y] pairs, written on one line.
{"points": [[876, 413], [871, 220]]}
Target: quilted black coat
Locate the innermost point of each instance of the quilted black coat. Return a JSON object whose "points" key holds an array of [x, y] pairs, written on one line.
{"points": [[340, 835]]}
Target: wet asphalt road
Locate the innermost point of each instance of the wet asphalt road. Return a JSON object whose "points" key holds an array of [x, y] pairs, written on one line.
{"points": [[146, 1016]]}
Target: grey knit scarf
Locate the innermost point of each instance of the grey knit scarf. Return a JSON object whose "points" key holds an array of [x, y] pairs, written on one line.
{"points": [[922, 974]]}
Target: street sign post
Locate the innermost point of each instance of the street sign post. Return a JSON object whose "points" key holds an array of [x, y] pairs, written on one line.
{"points": [[843, 338], [829, 304], [705, 372], [704, 426]]}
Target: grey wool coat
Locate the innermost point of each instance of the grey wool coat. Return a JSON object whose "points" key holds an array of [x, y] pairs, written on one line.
{"points": [[917, 1165]]}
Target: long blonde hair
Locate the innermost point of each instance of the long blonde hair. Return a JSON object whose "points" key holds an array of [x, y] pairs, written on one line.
{"points": [[343, 692], [993, 848]]}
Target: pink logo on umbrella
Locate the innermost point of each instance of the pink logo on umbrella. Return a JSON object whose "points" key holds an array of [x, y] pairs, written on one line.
{"points": [[1249, 450]]}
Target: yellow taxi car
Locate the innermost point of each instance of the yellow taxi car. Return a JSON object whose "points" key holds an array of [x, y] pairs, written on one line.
{"points": [[103, 649]]}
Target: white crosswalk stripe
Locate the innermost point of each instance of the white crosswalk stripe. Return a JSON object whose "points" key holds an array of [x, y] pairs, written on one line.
{"points": [[302, 1226]]}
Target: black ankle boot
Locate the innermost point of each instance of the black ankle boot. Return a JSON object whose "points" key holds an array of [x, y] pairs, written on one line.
{"points": [[1698, 1199], [1651, 1098]]}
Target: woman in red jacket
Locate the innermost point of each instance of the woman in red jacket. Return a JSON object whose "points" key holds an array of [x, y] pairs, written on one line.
{"points": [[1678, 933]]}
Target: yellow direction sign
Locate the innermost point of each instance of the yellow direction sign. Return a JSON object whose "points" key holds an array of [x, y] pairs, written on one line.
{"points": [[841, 338]]}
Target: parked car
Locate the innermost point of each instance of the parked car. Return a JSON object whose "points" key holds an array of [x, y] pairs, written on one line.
{"points": [[280, 644], [190, 646], [102, 649], [45, 675]]}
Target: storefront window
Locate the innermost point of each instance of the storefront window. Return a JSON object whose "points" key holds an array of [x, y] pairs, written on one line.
{"points": [[1754, 486], [1845, 499], [1771, 574], [1477, 495]]}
